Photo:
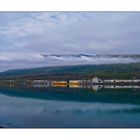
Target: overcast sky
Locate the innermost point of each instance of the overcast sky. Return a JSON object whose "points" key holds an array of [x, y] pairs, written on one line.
{"points": [[25, 36]]}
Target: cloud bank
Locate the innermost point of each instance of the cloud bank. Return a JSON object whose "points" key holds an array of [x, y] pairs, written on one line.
{"points": [[24, 36]]}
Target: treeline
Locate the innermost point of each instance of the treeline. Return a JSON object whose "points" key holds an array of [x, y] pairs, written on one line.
{"points": [[114, 71]]}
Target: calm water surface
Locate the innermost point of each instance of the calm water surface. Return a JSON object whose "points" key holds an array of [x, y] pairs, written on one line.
{"points": [[69, 107]]}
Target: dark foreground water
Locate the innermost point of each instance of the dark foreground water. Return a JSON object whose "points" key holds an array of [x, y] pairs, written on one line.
{"points": [[69, 108]]}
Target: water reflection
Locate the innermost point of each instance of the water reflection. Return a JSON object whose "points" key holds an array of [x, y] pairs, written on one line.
{"points": [[95, 93], [96, 106]]}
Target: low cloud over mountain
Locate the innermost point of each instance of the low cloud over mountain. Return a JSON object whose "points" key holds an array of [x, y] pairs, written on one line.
{"points": [[25, 36]]}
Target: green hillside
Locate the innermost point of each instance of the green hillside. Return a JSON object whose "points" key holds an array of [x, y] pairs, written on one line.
{"points": [[104, 71]]}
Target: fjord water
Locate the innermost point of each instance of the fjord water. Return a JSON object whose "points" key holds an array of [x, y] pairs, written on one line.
{"points": [[22, 107]]}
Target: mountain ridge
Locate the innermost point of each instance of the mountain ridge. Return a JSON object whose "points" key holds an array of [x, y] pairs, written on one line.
{"points": [[133, 68]]}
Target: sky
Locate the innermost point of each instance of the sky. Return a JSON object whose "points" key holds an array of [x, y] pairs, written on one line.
{"points": [[26, 36]]}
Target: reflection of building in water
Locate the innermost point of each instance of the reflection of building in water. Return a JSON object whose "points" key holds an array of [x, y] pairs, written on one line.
{"points": [[75, 86], [122, 81], [120, 87], [40, 86], [95, 88]]}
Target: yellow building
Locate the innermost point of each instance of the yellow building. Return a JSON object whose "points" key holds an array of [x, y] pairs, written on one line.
{"points": [[60, 83]]}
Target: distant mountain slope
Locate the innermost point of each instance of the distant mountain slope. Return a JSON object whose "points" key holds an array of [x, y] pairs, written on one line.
{"points": [[81, 69]]}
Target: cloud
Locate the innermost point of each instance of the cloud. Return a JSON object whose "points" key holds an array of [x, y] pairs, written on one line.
{"points": [[26, 35], [20, 57]]}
